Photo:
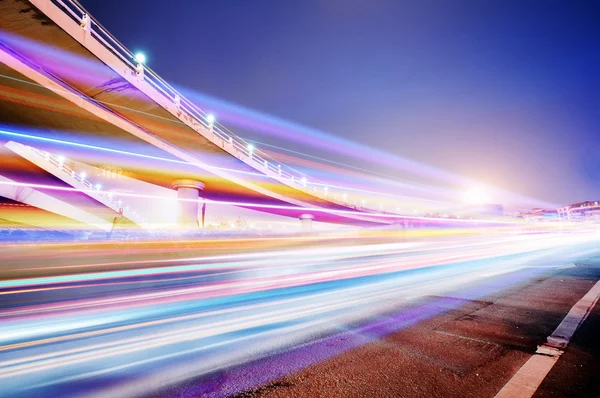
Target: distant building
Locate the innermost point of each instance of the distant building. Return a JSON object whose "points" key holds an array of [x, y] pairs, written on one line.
{"points": [[538, 215], [582, 211]]}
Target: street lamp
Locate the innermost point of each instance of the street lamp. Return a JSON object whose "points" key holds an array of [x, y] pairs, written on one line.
{"points": [[210, 119], [140, 58]]}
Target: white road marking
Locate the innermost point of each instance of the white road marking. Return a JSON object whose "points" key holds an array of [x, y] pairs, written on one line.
{"points": [[526, 381]]}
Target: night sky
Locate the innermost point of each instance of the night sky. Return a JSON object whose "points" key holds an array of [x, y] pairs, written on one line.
{"points": [[505, 92]]}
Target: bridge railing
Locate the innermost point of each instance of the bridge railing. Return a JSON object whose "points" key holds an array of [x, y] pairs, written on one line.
{"points": [[198, 116], [105, 197], [78, 13]]}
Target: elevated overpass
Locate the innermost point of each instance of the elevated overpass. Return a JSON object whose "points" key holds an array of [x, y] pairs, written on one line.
{"points": [[65, 75], [62, 208]]}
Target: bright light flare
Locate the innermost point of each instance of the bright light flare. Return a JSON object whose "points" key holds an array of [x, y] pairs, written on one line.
{"points": [[476, 196], [140, 58]]}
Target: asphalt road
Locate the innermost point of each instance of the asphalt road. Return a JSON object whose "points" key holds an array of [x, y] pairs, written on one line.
{"points": [[471, 347], [369, 318]]}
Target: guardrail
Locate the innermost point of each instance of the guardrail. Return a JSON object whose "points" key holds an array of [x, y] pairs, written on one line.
{"points": [[197, 117], [104, 197]]}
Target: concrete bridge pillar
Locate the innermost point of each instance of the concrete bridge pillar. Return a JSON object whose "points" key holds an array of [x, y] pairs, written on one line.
{"points": [[306, 220], [188, 193]]}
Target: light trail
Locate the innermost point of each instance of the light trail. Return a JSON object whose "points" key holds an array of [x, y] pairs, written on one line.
{"points": [[155, 320], [182, 162], [404, 182], [265, 124], [267, 206], [312, 137], [296, 257]]}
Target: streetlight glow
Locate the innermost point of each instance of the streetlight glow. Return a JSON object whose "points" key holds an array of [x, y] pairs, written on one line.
{"points": [[475, 195], [140, 58]]}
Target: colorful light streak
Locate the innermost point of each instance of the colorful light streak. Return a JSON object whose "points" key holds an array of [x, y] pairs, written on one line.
{"points": [[176, 161], [155, 320], [268, 154], [274, 127], [55, 58], [264, 206]]}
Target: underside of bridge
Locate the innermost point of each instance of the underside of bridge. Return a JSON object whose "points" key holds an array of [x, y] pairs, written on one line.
{"points": [[54, 87]]}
